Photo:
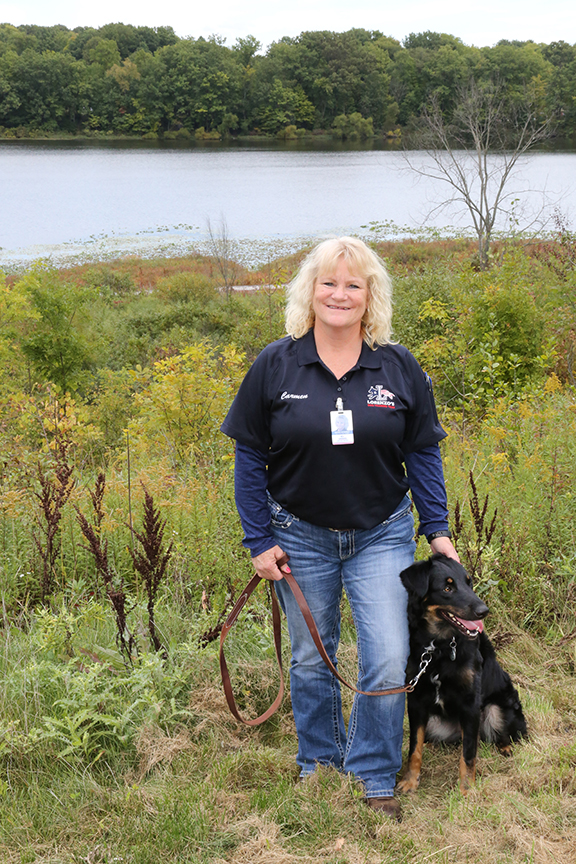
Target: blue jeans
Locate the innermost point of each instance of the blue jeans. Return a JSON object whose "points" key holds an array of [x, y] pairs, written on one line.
{"points": [[367, 564]]}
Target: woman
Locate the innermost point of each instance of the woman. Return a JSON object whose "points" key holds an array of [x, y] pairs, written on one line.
{"points": [[325, 421]]}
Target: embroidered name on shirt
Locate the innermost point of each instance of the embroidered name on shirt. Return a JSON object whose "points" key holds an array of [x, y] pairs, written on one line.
{"points": [[379, 397], [287, 395]]}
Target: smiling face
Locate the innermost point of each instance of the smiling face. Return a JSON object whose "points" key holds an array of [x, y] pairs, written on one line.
{"points": [[340, 298]]}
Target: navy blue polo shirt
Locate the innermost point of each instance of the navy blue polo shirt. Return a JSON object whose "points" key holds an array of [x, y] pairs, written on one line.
{"points": [[283, 409]]}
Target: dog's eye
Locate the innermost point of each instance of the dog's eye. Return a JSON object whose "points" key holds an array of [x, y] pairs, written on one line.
{"points": [[449, 588]]}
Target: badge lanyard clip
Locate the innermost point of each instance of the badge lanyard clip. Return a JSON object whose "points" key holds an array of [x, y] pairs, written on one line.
{"points": [[341, 424]]}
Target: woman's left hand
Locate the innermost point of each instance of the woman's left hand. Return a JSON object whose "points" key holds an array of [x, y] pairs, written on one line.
{"points": [[445, 546]]}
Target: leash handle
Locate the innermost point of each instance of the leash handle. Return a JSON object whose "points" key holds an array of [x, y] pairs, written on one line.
{"points": [[277, 628], [276, 622]]}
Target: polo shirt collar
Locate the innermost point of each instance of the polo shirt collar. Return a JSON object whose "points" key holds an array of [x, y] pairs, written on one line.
{"points": [[307, 353]]}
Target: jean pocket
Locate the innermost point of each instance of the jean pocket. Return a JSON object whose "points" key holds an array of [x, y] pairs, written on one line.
{"points": [[279, 516], [403, 509]]}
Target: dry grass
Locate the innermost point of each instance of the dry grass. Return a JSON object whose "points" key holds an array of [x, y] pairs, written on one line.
{"points": [[155, 747], [260, 841], [412, 255]]}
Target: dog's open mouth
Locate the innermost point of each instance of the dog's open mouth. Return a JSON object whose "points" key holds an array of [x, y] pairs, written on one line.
{"points": [[470, 628]]}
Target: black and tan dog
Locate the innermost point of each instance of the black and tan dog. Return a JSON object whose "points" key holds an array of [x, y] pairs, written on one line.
{"points": [[463, 693]]}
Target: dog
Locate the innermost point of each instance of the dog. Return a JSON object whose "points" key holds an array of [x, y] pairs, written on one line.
{"points": [[463, 693]]}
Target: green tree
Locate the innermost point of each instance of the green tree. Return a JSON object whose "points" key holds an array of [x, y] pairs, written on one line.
{"points": [[284, 106], [57, 345], [16, 40], [200, 83], [128, 38], [44, 90], [103, 52], [353, 127], [142, 102], [40, 39], [10, 99], [405, 86], [339, 73], [516, 67], [440, 64], [561, 90], [246, 54]]}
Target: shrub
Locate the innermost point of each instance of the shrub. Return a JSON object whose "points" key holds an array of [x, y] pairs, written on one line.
{"points": [[187, 287]]}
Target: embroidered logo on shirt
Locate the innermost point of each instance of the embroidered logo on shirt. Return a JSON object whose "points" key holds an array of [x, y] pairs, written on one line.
{"points": [[286, 395], [379, 397]]}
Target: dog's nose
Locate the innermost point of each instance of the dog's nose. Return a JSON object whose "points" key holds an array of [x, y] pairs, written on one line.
{"points": [[481, 610]]}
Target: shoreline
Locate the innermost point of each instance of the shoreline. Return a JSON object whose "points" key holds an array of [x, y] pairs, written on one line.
{"points": [[316, 139]]}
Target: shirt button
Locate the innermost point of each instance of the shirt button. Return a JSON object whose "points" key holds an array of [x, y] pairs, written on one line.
{"points": [[344, 378], [339, 389]]}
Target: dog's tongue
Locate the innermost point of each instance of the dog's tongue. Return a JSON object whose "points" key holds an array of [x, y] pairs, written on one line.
{"points": [[472, 625]]}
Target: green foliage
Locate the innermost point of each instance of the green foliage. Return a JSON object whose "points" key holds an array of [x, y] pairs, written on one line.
{"points": [[353, 127], [340, 73], [187, 287], [291, 133], [17, 316], [480, 336], [179, 413], [284, 106], [524, 453], [147, 81], [57, 348], [109, 283], [505, 332], [88, 705], [105, 756]]}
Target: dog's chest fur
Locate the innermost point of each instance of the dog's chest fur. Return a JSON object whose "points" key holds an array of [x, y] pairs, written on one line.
{"points": [[455, 676]]}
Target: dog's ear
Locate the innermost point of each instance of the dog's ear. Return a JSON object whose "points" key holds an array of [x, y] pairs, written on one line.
{"points": [[416, 578]]}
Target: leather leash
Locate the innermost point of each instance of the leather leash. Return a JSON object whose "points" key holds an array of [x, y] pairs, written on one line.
{"points": [[277, 629]]}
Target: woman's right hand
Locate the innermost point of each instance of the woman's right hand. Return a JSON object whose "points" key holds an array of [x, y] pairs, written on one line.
{"points": [[266, 567]]}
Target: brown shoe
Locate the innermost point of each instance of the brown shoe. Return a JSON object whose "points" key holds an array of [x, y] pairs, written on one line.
{"points": [[387, 806]]}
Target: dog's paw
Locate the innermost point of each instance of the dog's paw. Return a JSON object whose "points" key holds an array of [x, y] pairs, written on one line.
{"points": [[467, 775], [408, 784]]}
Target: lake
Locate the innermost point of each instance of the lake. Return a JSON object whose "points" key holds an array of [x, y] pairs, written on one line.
{"points": [[73, 200]]}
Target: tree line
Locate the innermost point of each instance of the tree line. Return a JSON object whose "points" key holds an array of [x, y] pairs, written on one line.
{"points": [[145, 81]]}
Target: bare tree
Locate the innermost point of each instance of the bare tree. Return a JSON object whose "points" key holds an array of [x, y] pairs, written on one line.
{"points": [[478, 151], [220, 246]]}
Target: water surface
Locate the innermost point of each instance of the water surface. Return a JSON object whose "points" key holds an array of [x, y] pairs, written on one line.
{"points": [[65, 199]]}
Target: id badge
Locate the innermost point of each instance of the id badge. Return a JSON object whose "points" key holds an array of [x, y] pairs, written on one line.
{"points": [[342, 425]]}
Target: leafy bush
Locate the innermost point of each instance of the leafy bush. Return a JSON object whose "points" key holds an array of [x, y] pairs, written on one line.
{"points": [[186, 287]]}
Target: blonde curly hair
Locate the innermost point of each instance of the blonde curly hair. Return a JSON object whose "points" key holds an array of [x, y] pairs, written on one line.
{"points": [[362, 261]]}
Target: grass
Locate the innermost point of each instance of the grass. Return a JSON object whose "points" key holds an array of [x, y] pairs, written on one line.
{"points": [[203, 789]]}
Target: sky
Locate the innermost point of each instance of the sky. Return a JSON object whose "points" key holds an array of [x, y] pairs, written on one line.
{"points": [[477, 24]]}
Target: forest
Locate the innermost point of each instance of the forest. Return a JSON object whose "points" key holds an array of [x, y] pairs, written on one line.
{"points": [[146, 82], [121, 555]]}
